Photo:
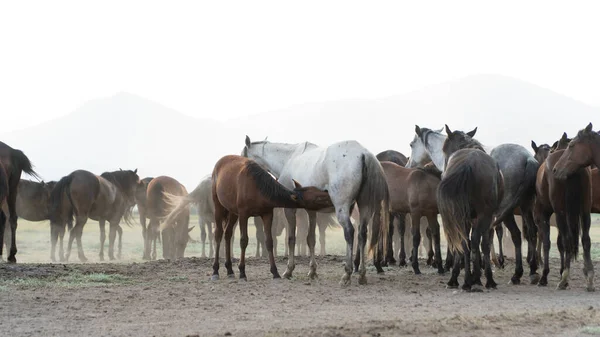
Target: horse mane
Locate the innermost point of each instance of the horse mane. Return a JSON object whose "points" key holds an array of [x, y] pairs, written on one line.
{"points": [[431, 169], [119, 179], [266, 184]]}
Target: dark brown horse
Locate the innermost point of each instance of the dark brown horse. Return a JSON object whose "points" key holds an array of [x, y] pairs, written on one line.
{"points": [[561, 144], [468, 196], [161, 191], [108, 197], [241, 189], [393, 156], [413, 191], [570, 201], [3, 196], [14, 162]]}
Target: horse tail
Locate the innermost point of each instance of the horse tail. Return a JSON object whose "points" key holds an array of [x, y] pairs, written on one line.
{"points": [[22, 163], [574, 203], [454, 205], [524, 192], [374, 196], [61, 188], [175, 205], [3, 185]]}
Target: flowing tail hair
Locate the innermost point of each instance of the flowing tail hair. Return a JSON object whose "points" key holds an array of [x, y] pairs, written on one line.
{"points": [[574, 194], [176, 204], [525, 192], [56, 198], [22, 163], [374, 205], [454, 205]]}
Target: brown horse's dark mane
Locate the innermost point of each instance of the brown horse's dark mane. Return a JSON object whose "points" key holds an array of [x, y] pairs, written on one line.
{"points": [[268, 186], [122, 179], [431, 169]]}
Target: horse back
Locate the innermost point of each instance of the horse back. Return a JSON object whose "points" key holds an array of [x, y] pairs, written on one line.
{"points": [[155, 200], [396, 177]]}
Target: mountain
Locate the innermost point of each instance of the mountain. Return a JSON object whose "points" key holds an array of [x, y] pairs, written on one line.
{"points": [[123, 131], [504, 109], [127, 131]]}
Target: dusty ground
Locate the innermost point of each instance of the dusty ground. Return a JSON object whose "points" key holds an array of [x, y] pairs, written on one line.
{"points": [[178, 299]]}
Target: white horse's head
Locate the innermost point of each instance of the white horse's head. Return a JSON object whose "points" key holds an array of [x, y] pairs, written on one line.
{"points": [[420, 151]]}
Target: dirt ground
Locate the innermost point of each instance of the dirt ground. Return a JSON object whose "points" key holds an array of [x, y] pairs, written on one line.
{"points": [[178, 299]]}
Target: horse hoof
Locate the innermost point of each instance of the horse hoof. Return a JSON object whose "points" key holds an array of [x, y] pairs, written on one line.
{"points": [[362, 279], [214, 278], [441, 271], [561, 286], [101, 258], [312, 275], [491, 285], [514, 280], [345, 281], [534, 278], [590, 289], [402, 263], [452, 284], [417, 271], [287, 274], [12, 260], [476, 288], [243, 278], [232, 275]]}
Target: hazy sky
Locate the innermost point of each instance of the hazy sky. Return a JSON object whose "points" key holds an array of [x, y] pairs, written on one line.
{"points": [[223, 59]]}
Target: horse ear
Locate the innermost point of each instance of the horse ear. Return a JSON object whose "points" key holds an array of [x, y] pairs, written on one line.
{"points": [[190, 229], [448, 131], [248, 141], [588, 128], [418, 130], [135, 171], [534, 146], [296, 184], [120, 169], [564, 136], [472, 132], [266, 138], [439, 130]]}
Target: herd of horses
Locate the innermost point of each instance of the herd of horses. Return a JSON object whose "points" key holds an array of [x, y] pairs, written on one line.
{"points": [[448, 173]]}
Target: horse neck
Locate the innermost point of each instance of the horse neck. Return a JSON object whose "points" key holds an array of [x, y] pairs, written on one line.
{"points": [[435, 143], [275, 155]]}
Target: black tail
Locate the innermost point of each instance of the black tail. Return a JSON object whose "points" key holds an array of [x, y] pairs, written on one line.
{"points": [[3, 186], [525, 192], [56, 198], [574, 202], [22, 163], [454, 205]]}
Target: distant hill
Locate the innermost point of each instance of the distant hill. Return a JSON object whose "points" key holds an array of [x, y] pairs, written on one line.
{"points": [[128, 131]]}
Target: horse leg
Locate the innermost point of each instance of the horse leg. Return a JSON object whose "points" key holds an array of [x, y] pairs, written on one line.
{"points": [[588, 266], [211, 239], [102, 225], [416, 233], [61, 236], [113, 229], [12, 220], [268, 223], [449, 260], [343, 215], [220, 217], [260, 237], [81, 220], [434, 227], [456, 257], [54, 233], [500, 234], [401, 231], [531, 235], [544, 230], [390, 249], [467, 261], [515, 234], [290, 215], [203, 229], [565, 261], [228, 239], [490, 283], [477, 232], [322, 229], [143, 224], [2, 230], [428, 242], [311, 241], [243, 245], [120, 234]]}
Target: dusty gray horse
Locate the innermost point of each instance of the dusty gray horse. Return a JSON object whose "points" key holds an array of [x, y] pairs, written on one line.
{"points": [[32, 205]]}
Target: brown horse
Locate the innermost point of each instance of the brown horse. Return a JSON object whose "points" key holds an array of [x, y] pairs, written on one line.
{"points": [[413, 191], [561, 144], [570, 200], [393, 156], [14, 162], [161, 190], [3, 196], [241, 189], [108, 197], [468, 196]]}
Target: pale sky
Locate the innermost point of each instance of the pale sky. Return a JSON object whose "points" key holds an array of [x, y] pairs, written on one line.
{"points": [[223, 59]]}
